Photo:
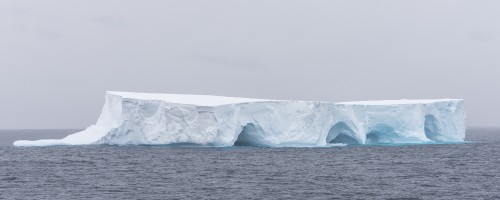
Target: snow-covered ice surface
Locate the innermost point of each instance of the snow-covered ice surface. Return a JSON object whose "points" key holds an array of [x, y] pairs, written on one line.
{"points": [[163, 119]]}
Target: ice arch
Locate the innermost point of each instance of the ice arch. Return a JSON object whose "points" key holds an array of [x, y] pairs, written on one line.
{"points": [[251, 135], [342, 133], [432, 128]]}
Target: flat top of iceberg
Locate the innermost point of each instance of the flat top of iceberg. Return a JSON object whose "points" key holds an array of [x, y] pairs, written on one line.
{"points": [[398, 102], [211, 100], [200, 100]]}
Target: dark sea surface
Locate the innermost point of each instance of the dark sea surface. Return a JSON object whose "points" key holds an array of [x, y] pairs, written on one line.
{"points": [[438, 171]]}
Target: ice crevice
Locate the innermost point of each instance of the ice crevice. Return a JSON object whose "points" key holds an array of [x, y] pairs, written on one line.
{"points": [[169, 119]]}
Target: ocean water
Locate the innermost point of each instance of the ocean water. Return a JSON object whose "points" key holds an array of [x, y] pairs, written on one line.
{"points": [[440, 171]]}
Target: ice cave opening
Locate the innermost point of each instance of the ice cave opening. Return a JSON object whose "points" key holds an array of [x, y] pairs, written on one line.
{"points": [[341, 133], [432, 129], [250, 136], [381, 134]]}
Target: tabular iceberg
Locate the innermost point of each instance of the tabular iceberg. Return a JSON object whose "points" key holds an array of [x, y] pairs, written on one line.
{"points": [[160, 119]]}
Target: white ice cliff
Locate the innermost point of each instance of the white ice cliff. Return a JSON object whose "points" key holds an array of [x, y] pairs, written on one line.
{"points": [[160, 119]]}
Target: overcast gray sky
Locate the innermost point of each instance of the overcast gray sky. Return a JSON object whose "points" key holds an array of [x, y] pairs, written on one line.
{"points": [[57, 58]]}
